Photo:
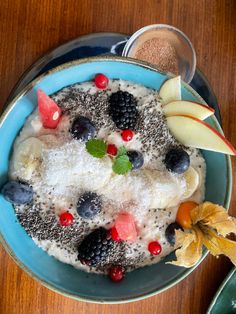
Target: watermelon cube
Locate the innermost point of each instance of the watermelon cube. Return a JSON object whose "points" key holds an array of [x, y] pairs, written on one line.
{"points": [[125, 227], [50, 113]]}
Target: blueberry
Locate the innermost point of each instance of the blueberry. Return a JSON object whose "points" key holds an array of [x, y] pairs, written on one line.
{"points": [[177, 160], [17, 192], [136, 158], [89, 205], [82, 129], [170, 232]]}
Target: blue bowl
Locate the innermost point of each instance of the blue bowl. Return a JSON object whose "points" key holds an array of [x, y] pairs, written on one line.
{"points": [[63, 278]]}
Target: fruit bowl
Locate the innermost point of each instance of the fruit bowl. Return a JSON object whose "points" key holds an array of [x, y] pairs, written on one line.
{"points": [[64, 278]]}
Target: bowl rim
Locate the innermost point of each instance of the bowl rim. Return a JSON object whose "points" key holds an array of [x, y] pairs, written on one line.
{"points": [[9, 107]]}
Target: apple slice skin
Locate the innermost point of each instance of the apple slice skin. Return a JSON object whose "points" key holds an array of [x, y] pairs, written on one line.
{"points": [[189, 108], [171, 90], [193, 132]]}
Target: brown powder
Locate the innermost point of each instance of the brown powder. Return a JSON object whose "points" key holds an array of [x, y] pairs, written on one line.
{"points": [[158, 52]]}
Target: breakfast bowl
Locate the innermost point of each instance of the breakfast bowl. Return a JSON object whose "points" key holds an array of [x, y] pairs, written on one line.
{"points": [[64, 278]]}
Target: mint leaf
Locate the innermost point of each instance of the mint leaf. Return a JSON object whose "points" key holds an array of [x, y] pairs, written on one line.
{"points": [[96, 148], [122, 165], [121, 151]]}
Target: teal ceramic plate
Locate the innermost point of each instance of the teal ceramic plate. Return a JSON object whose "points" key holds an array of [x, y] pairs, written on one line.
{"points": [[224, 301], [64, 278]]}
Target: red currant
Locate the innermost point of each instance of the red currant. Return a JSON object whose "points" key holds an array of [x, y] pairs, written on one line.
{"points": [[154, 248], [127, 135], [111, 149], [66, 219], [115, 235], [101, 81], [116, 273]]}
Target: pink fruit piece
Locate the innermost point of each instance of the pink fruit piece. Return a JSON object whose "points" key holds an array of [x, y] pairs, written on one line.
{"points": [[49, 111], [125, 227]]}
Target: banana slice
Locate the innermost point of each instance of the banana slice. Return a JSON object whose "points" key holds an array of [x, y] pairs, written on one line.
{"points": [[192, 181], [166, 189], [27, 157]]}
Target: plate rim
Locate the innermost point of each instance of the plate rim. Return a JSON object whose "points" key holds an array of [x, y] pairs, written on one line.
{"points": [[10, 105], [220, 289]]}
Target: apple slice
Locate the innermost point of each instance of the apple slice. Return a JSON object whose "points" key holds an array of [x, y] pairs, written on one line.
{"points": [[193, 132], [188, 108], [171, 90]]}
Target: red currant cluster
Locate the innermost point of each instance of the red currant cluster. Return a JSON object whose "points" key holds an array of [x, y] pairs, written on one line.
{"points": [[126, 135]]}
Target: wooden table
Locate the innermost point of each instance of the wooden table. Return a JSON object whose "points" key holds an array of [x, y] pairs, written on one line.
{"points": [[29, 28]]}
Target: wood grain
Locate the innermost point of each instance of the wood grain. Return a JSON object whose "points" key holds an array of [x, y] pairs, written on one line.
{"points": [[29, 28]]}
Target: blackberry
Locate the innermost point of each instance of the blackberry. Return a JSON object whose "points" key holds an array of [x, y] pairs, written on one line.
{"points": [[96, 247], [123, 110]]}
